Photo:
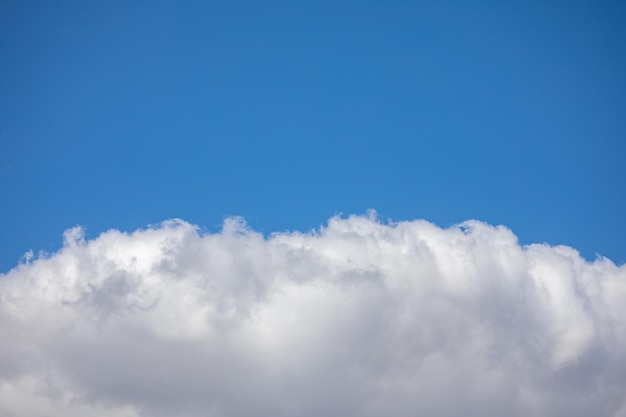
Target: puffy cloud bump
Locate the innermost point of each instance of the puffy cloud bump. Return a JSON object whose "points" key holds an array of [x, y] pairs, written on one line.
{"points": [[357, 319]]}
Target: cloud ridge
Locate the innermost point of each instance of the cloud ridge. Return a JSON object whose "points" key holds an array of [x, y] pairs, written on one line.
{"points": [[359, 318]]}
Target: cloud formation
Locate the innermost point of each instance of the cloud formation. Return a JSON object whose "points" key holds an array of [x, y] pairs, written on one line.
{"points": [[359, 318]]}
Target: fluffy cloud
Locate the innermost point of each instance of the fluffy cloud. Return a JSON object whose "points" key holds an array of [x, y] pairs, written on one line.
{"points": [[358, 319]]}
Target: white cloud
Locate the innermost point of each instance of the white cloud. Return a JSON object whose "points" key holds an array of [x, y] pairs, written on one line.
{"points": [[358, 319]]}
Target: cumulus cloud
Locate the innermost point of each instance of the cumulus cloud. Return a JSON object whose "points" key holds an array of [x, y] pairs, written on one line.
{"points": [[359, 318]]}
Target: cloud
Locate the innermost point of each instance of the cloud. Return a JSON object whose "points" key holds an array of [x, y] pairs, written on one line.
{"points": [[359, 318]]}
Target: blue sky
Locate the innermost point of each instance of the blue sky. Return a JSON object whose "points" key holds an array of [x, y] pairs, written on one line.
{"points": [[124, 114]]}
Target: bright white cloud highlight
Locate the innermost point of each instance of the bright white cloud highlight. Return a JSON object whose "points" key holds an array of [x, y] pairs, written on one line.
{"points": [[358, 319]]}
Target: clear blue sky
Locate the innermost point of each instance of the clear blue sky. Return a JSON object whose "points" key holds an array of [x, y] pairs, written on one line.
{"points": [[122, 114]]}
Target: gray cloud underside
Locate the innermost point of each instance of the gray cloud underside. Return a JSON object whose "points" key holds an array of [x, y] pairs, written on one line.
{"points": [[357, 319]]}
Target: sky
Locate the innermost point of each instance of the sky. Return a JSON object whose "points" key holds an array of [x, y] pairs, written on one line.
{"points": [[125, 114], [244, 171]]}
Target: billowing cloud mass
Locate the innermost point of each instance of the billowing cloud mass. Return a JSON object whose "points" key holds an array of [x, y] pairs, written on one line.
{"points": [[359, 318]]}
